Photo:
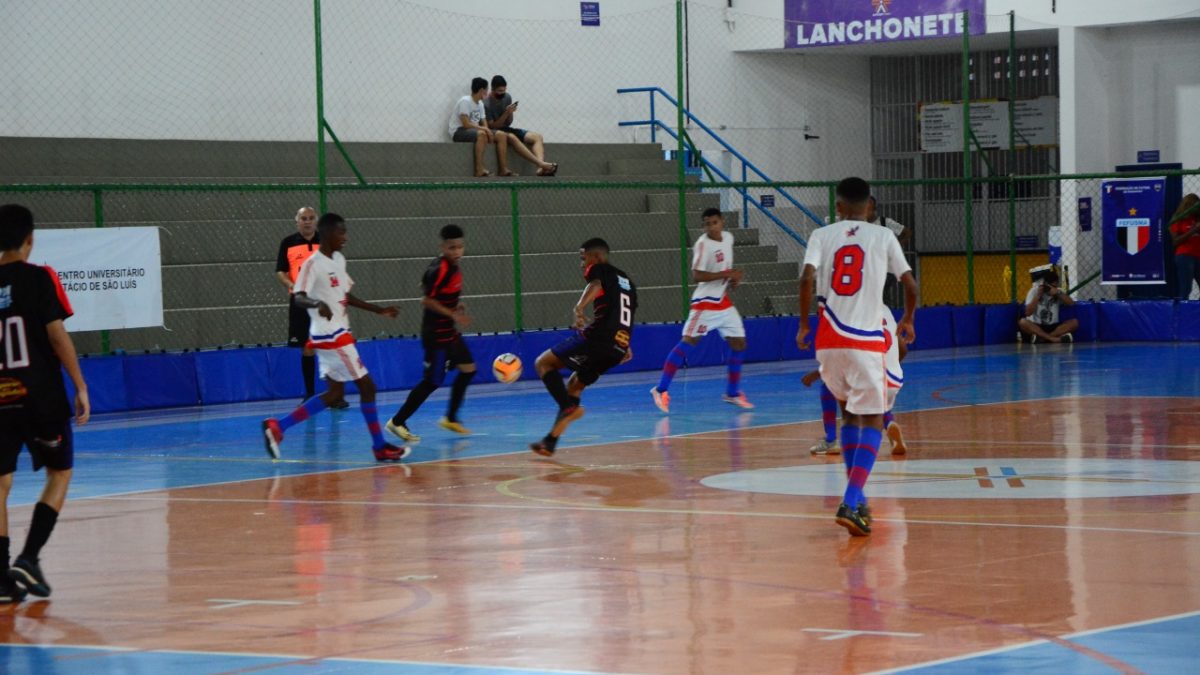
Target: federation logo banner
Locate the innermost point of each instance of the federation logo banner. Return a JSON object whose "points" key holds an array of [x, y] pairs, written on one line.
{"points": [[825, 23], [1132, 212]]}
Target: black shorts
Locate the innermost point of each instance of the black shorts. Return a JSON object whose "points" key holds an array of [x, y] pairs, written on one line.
{"points": [[440, 357], [298, 321], [50, 444], [519, 133], [588, 358]]}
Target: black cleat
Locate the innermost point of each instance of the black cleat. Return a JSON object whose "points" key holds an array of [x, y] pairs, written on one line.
{"points": [[10, 592], [545, 447], [852, 521], [27, 573], [339, 405], [864, 512]]}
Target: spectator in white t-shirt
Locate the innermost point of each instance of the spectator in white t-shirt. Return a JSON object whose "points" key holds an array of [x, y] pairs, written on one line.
{"points": [[1042, 302], [468, 124], [902, 233]]}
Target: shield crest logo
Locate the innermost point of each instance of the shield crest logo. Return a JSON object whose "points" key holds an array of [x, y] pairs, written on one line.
{"points": [[1133, 234]]}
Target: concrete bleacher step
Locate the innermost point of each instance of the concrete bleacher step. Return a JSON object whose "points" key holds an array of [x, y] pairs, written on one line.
{"points": [[98, 157], [658, 167], [668, 202]]}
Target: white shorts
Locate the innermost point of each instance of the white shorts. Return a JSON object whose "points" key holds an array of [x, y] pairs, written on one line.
{"points": [[341, 364], [892, 391], [856, 377], [727, 322]]}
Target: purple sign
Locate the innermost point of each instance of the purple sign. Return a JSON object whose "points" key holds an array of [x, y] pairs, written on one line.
{"points": [[827, 23], [589, 14]]}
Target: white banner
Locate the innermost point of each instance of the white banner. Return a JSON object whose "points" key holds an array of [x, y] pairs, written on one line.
{"points": [[1036, 124], [112, 276]]}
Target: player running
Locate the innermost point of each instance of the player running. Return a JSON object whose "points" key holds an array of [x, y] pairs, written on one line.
{"points": [[444, 345], [597, 347], [712, 310], [34, 411], [848, 261], [323, 288]]}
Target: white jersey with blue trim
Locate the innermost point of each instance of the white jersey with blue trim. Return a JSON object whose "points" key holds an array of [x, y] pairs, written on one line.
{"points": [[852, 260], [325, 279], [891, 360]]}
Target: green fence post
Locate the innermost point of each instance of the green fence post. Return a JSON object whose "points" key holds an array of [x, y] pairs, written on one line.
{"points": [[684, 262], [518, 310], [832, 204], [98, 221], [1012, 155], [323, 197], [968, 186]]}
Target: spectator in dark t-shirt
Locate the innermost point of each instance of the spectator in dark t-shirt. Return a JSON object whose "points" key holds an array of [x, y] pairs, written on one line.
{"points": [[500, 110]]}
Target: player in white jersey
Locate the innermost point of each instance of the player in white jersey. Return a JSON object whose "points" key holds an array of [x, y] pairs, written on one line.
{"points": [[712, 310], [323, 288], [848, 263]]}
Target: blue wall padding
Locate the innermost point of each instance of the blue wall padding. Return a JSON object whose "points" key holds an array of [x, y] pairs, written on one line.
{"points": [[968, 325], [1146, 320], [1000, 323], [234, 375], [1086, 313], [934, 327], [105, 377], [1187, 321], [160, 381]]}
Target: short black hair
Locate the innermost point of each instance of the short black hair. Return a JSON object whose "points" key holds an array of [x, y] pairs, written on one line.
{"points": [[710, 212], [1050, 277], [16, 224], [853, 190], [452, 231], [329, 221], [595, 243], [499, 81], [477, 84]]}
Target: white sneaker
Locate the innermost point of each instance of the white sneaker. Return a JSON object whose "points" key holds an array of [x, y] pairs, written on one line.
{"points": [[400, 431], [826, 448]]}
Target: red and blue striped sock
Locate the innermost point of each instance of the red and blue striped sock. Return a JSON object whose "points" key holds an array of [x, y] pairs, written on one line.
{"points": [[675, 361], [864, 459], [888, 418], [306, 410], [850, 438], [370, 413], [829, 409], [734, 385]]}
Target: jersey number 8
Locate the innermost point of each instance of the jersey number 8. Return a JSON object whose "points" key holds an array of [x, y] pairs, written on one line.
{"points": [[847, 270]]}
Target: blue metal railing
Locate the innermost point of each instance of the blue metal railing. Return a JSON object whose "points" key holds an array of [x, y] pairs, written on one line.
{"points": [[747, 166]]}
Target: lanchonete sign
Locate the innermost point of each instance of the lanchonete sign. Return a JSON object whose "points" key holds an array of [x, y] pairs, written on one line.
{"points": [[823, 23]]}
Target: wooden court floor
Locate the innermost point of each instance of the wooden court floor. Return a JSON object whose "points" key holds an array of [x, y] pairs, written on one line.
{"points": [[1050, 518]]}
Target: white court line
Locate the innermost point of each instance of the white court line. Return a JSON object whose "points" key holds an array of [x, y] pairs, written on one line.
{"points": [[1034, 643], [299, 657], [531, 505]]}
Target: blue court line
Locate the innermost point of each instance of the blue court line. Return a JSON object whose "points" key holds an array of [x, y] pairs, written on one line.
{"points": [[152, 450], [72, 660], [1162, 645]]}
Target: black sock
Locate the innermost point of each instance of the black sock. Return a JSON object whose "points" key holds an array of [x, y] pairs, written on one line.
{"points": [[457, 391], [3, 553], [557, 388], [573, 400], [40, 528], [308, 366], [415, 398]]}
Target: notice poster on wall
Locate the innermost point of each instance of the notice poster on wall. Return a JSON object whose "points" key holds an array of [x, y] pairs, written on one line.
{"points": [[1132, 212], [112, 276], [1036, 124]]}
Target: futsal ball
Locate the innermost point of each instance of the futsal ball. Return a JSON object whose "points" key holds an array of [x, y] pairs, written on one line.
{"points": [[507, 368]]}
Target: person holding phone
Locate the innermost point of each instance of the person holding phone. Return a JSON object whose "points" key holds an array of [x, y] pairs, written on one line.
{"points": [[500, 109], [1040, 321]]}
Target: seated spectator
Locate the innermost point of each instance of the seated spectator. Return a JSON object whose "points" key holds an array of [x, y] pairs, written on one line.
{"points": [[468, 125], [1042, 302], [1185, 237], [500, 109]]}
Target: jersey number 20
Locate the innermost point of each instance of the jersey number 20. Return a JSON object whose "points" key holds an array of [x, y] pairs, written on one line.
{"points": [[16, 348], [847, 270]]}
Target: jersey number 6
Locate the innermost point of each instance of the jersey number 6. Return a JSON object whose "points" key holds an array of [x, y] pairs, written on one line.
{"points": [[847, 270], [626, 312]]}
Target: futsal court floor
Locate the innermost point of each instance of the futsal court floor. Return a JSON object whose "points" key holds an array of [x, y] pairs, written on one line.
{"points": [[1046, 519]]}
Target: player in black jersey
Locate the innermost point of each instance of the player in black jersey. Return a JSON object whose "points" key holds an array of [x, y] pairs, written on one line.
{"points": [[444, 345], [34, 411], [598, 346]]}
